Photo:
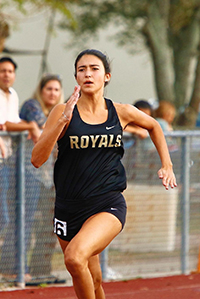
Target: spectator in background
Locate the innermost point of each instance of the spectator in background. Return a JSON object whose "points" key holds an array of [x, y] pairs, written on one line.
{"points": [[48, 93], [144, 106], [165, 114], [9, 102], [147, 144], [10, 121]]}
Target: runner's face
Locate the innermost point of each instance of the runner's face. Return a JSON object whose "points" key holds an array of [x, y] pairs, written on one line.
{"points": [[7, 75], [91, 74]]}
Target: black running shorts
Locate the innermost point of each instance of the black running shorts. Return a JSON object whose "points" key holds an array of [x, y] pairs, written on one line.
{"points": [[68, 220]]}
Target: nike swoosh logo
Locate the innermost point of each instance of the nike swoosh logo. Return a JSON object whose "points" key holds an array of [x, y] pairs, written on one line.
{"points": [[113, 209], [109, 128]]}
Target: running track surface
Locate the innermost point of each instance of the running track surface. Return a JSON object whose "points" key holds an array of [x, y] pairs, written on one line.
{"points": [[173, 287]]}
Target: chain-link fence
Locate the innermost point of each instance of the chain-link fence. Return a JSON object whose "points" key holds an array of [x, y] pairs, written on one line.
{"points": [[161, 235]]}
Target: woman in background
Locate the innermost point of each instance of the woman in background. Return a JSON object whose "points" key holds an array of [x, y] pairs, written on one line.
{"points": [[48, 93], [39, 183]]}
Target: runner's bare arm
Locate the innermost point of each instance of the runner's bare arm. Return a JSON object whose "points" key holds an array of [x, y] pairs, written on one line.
{"points": [[58, 120], [129, 114]]}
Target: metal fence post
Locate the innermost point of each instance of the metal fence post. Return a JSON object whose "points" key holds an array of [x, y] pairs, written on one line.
{"points": [[104, 263], [185, 203], [20, 193]]}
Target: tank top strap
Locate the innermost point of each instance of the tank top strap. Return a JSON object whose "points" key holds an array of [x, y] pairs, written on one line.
{"points": [[112, 113]]}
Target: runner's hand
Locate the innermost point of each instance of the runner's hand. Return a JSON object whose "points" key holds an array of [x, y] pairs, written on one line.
{"points": [[168, 177], [69, 106]]}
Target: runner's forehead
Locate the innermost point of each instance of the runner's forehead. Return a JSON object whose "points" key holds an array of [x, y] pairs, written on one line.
{"points": [[90, 65], [89, 60]]}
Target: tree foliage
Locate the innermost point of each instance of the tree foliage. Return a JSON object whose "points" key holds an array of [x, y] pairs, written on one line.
{"points": [[28, 7], [170, 29]]}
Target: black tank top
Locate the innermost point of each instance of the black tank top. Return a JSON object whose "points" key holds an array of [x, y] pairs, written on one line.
{"points": [[89, 158]]}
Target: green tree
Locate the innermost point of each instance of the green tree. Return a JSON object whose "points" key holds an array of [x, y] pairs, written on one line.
{"points": [[170, 29], [27, 7], [4, 32], [12, 10]]}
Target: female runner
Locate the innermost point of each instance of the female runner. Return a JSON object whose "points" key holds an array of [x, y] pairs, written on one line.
{"points": [[90, 210]]}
